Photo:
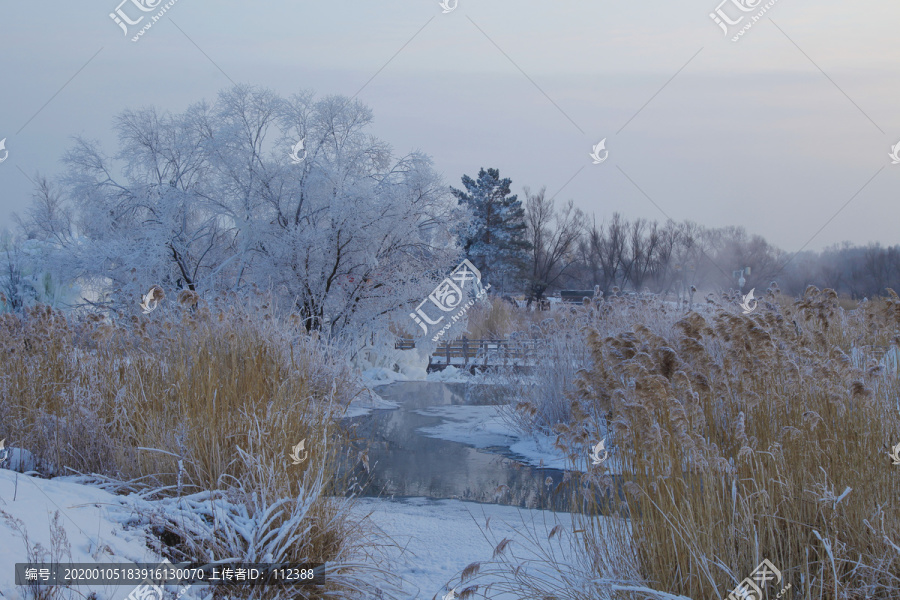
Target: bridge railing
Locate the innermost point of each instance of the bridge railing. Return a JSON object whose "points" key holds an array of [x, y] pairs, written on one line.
{"points": [[484, 352]]}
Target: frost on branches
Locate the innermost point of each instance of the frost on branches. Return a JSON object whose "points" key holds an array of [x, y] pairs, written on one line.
{"points": [[495, 241], [209, 200]]}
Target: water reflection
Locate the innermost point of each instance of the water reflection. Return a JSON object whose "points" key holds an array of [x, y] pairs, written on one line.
{"points": [[405, 463]]}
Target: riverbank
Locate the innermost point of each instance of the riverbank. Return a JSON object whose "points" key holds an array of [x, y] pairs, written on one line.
{"points": [[423, 543], [432, 541]]}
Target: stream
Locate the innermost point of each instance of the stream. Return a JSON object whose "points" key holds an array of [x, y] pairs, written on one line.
{"points": [[404, 463]]}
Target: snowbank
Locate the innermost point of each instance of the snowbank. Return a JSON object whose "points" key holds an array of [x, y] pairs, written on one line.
{"points": [[436, 539], [392, 365], [96, 522]]}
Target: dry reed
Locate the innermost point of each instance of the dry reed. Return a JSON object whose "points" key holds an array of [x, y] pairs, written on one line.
{"points": [[190, 400], [743, 438]]}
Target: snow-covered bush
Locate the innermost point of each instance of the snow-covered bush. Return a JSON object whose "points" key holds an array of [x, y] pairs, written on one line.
{"points": [[26, 276], [193, 400]]}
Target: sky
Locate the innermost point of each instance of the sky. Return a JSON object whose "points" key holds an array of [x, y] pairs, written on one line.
{"points": [[786, 132]]}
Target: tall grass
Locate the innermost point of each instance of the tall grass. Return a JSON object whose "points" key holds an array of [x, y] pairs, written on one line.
{"points": [[751, 437], [190, 402], [498, 319], [543, 397], [739, 437]]}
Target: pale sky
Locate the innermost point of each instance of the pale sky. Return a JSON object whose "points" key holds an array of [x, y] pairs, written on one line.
{"points": [[776, 132]]}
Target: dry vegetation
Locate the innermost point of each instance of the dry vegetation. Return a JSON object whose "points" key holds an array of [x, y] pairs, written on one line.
{"points": [[740, 438], [498, 319], [197, 410]]}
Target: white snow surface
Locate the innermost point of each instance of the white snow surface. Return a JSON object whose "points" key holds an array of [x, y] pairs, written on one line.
{"points": [[433, 540], [450, 374], [95, 521], [485, 426], [436, 539]]}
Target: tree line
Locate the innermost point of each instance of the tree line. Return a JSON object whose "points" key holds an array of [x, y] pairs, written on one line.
{"points": [[210, 200], [538, 246]]}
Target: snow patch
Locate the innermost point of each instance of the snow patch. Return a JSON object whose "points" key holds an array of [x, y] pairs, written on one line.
{"points": [[436, 539], [98, 525], [450, 374], [366, 402], [476, 426], [387, 366], [486, 426]]}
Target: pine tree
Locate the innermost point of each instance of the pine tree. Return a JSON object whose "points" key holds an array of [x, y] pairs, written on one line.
{"points": [[495, 241]]}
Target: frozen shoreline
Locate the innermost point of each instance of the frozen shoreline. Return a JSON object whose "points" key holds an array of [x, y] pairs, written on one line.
{"points": [[479, 426], [436, 539], [426, 542]]}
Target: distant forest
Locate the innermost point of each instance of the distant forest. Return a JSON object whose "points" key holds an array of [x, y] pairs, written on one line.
{"points": [[538, 247]]}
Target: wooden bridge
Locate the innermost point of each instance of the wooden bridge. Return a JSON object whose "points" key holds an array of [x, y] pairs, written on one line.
{"points": [[480, 354]]}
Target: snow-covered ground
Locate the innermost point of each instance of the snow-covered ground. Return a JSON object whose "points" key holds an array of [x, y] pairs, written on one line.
{"points": [[95, 522], [436, 539], [429, 542]]}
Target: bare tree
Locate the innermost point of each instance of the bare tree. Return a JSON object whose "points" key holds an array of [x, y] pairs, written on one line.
{"points": [[12, 284], [48, 217], [611, 252], [645, 244], [553, 235]]}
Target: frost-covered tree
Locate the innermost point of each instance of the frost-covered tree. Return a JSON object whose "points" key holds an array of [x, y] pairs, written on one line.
{"points": [[26, 277], [360, 230], [211, 200], [495, 241]]}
